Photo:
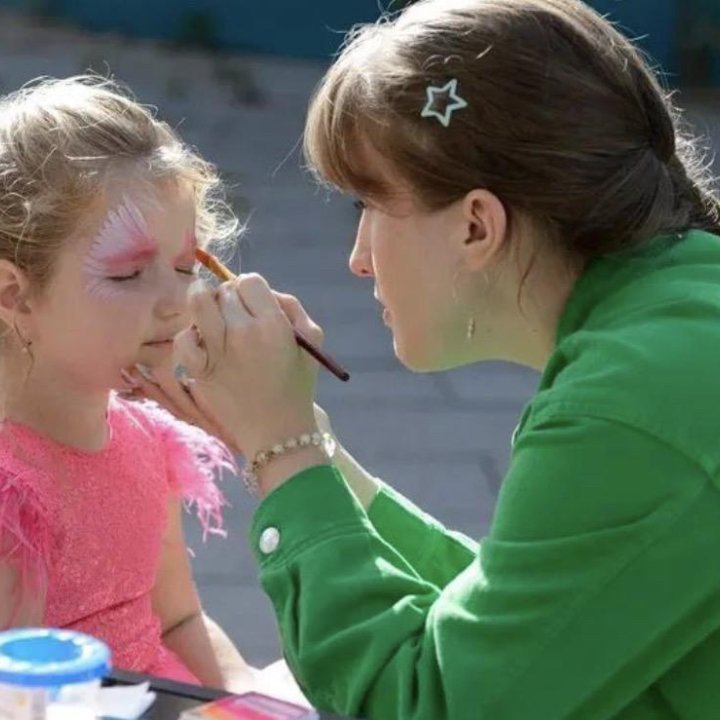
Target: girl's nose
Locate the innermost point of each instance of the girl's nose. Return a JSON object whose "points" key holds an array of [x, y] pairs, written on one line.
{"points": [[173, 299]]}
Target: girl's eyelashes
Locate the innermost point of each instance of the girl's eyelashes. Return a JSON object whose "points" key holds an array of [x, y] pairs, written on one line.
{"points": [[359, 205], [125, 278], [191, 272]]}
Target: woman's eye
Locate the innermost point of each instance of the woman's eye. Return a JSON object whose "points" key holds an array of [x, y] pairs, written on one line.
{"points": [[359, 205], [125, 278]]}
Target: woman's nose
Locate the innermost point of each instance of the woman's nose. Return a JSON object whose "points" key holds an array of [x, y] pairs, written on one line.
{"points": [[361, 263]]}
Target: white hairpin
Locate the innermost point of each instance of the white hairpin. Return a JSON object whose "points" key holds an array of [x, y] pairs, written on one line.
{"points": [[447, 91]]}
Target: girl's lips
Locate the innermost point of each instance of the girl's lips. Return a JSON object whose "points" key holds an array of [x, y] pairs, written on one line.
{"points": [[160, 344]]}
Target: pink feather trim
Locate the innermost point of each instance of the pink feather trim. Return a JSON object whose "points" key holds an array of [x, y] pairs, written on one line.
{"points": [[25, 539], [194, 460]]}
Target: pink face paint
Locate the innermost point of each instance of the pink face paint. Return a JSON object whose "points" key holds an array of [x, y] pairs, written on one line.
{"points": [[186, 256], [122, 246]]}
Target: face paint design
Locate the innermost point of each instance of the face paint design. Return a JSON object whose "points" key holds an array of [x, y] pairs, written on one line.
{"points": [[186, 256], [119, 252]]}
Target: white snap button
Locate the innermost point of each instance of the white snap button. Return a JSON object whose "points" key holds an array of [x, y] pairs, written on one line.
{"points": [[269, 540]]}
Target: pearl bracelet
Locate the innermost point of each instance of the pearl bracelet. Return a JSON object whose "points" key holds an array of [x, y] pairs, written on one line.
{"points": [[324, 441]]}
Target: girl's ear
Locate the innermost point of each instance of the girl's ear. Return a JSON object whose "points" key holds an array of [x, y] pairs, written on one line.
{"points": [[14, 288]]}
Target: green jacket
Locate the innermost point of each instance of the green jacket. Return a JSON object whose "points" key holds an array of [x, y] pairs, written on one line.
{"points": [[596, 593]]}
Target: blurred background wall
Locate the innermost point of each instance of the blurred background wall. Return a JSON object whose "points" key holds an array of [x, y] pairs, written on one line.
{"points": [[682, 36]]}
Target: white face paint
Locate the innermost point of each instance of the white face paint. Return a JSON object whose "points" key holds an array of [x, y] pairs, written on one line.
{"points": [[122, 247]]}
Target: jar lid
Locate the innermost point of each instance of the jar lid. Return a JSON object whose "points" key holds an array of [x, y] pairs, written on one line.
{"points": [[43, 657]]}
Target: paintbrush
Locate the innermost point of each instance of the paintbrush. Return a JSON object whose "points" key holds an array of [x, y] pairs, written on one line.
{"points": [[223, 273]]}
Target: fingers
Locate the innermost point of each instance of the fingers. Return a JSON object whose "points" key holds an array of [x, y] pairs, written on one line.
{"points": [[232, 306], [154, 393], [209, 320], [130, 383], [256, 295], [299, 318], [147, 387], [249, 307], [189, 350], [250, 296], [243, 303], [175, 395]]}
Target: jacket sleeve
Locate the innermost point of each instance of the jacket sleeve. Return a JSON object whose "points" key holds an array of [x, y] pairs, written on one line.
{"points": [[435, 553], [558, 616]]}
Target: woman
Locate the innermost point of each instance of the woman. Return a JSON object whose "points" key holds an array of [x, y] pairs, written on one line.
{"points": [[526, 196]]}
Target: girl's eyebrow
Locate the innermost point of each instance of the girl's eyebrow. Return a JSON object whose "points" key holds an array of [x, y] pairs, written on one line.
{"points": [[131, 257]]}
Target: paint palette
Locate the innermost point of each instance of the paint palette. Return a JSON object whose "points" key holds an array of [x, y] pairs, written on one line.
{"points": [[251, 706]]}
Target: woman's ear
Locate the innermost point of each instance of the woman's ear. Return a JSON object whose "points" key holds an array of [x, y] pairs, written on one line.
{"points": [[486, 223], [14, 287]]}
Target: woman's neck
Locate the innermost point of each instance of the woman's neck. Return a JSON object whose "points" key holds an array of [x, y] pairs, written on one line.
{"points": [[534, 305], [57, 410]]}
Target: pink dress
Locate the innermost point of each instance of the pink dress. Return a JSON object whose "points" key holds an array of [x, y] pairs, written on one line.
{"points": [[86, 528]]}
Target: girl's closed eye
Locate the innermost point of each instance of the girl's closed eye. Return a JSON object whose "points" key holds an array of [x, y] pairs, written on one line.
{"points": [[189, 271], [124, 278], [359, 205]]}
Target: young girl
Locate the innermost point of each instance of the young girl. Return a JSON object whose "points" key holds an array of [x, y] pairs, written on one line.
{"points": [[525, 196], [101, 207]]}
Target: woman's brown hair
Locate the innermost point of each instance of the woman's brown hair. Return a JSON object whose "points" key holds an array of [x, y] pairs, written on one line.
{"points": [[565, 122]]}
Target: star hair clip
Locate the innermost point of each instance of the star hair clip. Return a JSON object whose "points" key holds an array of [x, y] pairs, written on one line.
{"points": [[445, 97]]}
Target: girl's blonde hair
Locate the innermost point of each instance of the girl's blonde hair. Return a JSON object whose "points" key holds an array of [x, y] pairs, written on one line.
{"points": [[62, 141], [564, 121]]}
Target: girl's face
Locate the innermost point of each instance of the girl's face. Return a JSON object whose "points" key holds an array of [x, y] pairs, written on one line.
{"points": [[119, 294]]}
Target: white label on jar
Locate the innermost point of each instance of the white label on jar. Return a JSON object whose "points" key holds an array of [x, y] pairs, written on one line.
{"points": [[17, 703], [70, 712]]}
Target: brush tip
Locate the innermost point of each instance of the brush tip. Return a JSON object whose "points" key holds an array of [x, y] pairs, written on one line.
{"points": [[202, 255]]}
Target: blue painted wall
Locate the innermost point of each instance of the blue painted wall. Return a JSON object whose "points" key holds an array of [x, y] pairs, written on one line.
{"points": [[310, 28], [681, 36], [304, 28], [314, 28], [652, 22]]}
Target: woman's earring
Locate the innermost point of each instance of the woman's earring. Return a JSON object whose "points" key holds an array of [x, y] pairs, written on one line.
{"points": [[26, 344], [470, 329]]}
